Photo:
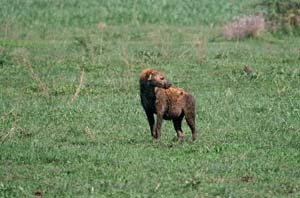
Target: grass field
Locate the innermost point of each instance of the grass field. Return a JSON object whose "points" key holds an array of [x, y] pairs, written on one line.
{"points": [[71, 123]]}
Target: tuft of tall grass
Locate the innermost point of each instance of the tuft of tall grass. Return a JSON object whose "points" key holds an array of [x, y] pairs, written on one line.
{"points": [[200, 50], [245, 26], [78, 88], [42, 86]]}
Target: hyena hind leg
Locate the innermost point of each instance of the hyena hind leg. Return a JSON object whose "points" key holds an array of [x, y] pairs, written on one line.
{"points": [[190, 115]]}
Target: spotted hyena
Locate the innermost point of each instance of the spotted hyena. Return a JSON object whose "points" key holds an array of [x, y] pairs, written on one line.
{"points": [[167, 102]]}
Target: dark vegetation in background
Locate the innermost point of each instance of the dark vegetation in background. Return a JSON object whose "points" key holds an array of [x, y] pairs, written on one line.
{"points": [[283, 16]]}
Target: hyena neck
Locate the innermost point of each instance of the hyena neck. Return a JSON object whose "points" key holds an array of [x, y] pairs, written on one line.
{"points": [[147, 89]]}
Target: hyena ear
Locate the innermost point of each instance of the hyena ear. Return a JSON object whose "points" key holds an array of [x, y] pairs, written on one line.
{"points": [[150, 77]]}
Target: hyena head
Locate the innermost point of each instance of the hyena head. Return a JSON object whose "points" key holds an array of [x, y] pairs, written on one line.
{"points": [[157, 79]]}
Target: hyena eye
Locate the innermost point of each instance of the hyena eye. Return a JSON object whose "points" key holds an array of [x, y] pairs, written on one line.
{"points": [[162, 78]]}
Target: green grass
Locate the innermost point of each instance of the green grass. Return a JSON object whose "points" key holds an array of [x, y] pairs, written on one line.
{"points": [[84, 13], [100, 145]]}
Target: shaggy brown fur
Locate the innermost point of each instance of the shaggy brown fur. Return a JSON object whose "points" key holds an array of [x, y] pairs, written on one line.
{"points": [[169, 103]]}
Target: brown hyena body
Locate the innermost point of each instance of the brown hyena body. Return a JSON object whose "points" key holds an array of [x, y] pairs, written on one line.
{"points": [[169, 103]]}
